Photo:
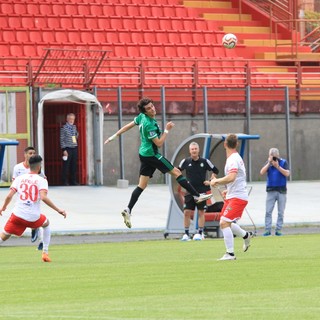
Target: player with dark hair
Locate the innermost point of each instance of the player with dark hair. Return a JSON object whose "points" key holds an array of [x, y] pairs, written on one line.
{"points": [[31, 188], [150, 158], [18, 170]]}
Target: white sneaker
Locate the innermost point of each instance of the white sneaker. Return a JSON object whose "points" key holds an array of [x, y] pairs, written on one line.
{"points": [[185, 238], [227, 256], [126, 218], [198, 237], [246, 243], [203, 197]]}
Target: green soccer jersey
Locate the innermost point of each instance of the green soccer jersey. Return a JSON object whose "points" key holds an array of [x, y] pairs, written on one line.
{"points": [[149, 129]]}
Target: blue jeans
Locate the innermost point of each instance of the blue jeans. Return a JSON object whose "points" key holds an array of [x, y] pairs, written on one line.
{"points": [[272, 198]]}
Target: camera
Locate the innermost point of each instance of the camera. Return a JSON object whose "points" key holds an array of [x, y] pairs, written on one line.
{"points": [[274, 158]]}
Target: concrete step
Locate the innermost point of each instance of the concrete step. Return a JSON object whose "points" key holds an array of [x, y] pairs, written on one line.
{"points": [[303, 56], [264, 42], [245, 29], [208, 4], [227, 17]]}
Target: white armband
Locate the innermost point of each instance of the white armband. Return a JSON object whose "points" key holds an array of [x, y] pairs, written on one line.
{"points": [[113, 137], [166, 131]]}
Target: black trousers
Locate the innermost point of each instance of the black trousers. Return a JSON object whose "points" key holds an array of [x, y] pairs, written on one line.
{"points": [[69, 167]]}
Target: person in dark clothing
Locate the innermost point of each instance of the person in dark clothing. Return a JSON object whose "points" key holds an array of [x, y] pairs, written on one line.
{"points": [[196, 169], [69, 145]]}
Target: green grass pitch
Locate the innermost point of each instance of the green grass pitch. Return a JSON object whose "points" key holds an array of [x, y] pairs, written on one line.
{"points": [[278, 278]]}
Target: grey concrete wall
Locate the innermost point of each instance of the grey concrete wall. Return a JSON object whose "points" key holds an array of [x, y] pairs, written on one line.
{"points": [[304, 134]]}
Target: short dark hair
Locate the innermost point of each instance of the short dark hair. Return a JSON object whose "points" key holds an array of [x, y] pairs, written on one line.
{"points": [[142, 103], [34, 161], [232, 141], [29, 148]]}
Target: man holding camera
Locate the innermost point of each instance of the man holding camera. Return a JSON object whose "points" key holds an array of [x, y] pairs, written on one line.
{"points": [[277, 173]]}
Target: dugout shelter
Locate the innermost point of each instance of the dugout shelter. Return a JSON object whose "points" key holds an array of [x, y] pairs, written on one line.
{"points": [[52, 110], [211, 147]]}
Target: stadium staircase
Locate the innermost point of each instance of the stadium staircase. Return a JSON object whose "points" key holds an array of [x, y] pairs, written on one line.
{"points": [[143, 43]]}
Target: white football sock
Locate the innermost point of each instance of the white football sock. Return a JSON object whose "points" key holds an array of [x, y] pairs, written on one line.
{"points": [[46, 238], [228, 239], [237, 230]]}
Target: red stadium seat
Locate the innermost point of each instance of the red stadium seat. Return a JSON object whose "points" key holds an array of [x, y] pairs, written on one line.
{"points": [[84, 10], [48, 37], [157, 11], [169, 11], [137, 37], [128, 24], [165, 24], [61, 37], [133, 51], [33, 9], [112, 37], [109, 11], [45, 10], [9, 36], [79, 23], [96, 10], [29, 51], [120, 11], [16, 51], [133, 11], [14, 22], [177, 24], [54, 23], [27, 23], [71, 10], [40, 23], [74, 37], [99, 37], [23, 36], [210, 37], [162, 37], [145, 11], [207, 51], [125, 37], [141, 24], [116, 24], [186, 37], [119, 52], [7, 8], [195, 51], [153, 24], [35, 36], [182, 51], [3, 22], [174, 37], [92, 24], [198, 38], [103, 24], [87, 37], [59, 10], [170, 51], [189, 25], [4, 50], [149, 37], [66, 23], [20, 8]]}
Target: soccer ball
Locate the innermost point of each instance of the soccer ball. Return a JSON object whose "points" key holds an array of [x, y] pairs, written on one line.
{"points": [[229, 41]]}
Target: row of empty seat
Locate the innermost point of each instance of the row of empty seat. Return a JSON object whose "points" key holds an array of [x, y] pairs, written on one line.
{"points": [[123, 50], [111, 37], [105, 9], [106, 24]]}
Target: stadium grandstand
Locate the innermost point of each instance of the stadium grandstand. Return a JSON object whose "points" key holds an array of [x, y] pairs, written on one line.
{"points": [[139, 46]]}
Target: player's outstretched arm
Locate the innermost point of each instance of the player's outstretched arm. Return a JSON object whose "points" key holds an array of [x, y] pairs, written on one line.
{"points": [[49, 203], [121, 131], [7, 200]]}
